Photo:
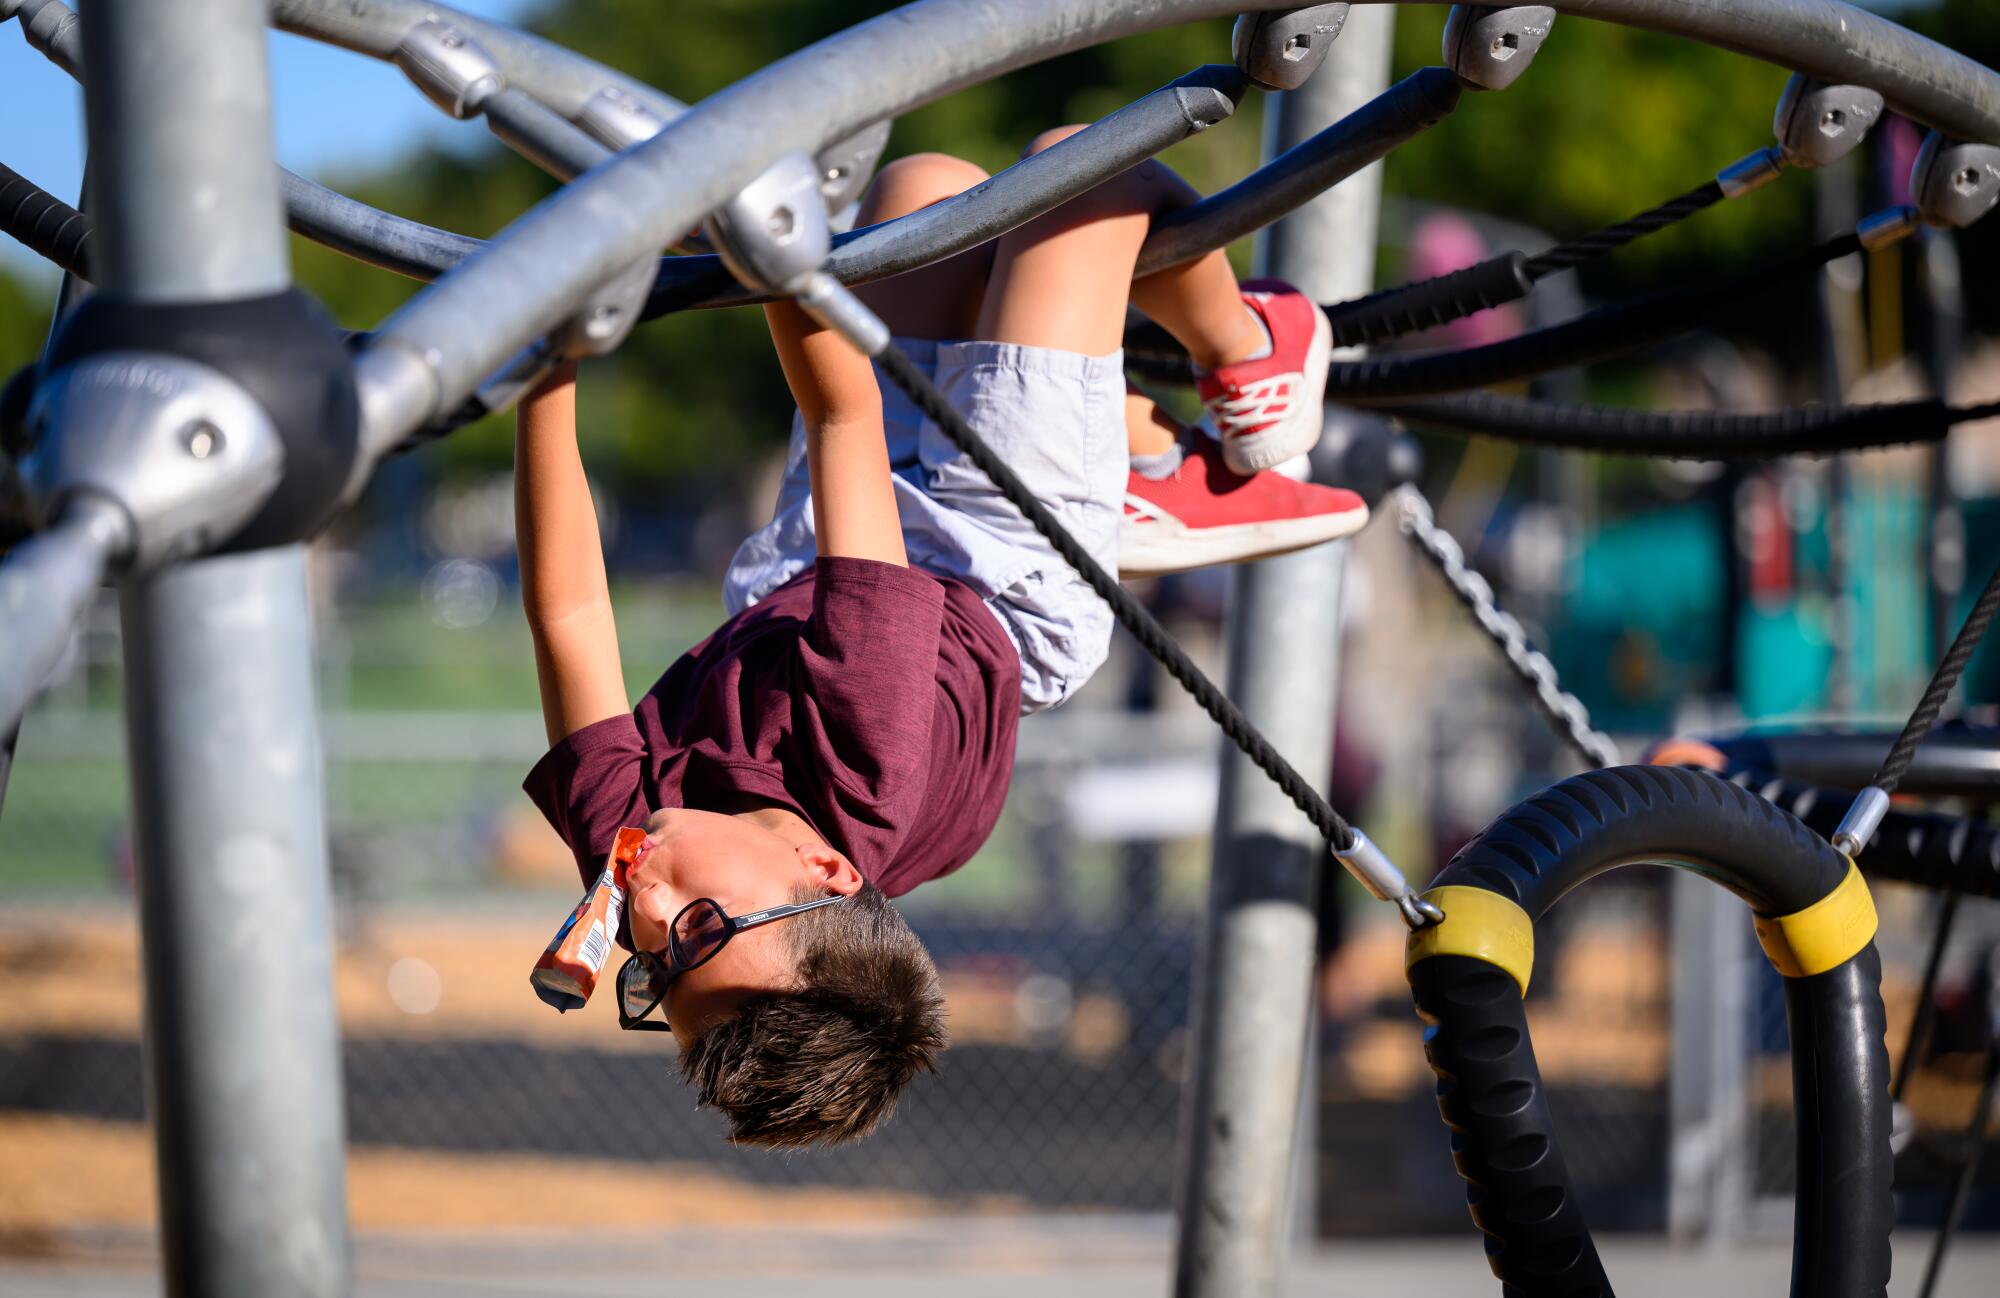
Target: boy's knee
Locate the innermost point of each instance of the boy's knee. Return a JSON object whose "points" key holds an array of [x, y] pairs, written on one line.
{"points": [[916, 181], [1053, 136]]}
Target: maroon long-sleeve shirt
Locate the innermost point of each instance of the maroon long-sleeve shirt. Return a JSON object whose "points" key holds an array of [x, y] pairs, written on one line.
{"points": [[877, 702]]}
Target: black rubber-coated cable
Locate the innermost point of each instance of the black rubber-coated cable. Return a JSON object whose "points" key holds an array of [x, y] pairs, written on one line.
{"points": [[46, 225], [1691, 434], [1608, 331], [1595, 335], [1131, 614], [1949, 669], [1425, 304]]}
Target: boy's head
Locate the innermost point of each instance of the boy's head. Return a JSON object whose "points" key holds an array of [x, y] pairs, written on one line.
{"points": [[803, 1031]]}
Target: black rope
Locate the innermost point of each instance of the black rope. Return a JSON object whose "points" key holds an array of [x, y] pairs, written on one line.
{"points": [[1509, 277], [1690, 434], [1942, 682], [1589, 247], [1131, 614], [1596, 335]]}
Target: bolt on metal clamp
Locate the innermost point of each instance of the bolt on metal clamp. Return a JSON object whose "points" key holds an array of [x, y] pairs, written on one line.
{"points": [[1753, 172], [1887, 227], [1818, 123], [1863, 818], [1956, 182], [1372, 868]]}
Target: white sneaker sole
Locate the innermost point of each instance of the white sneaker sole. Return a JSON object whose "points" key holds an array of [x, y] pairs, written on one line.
{"points": [[1164, 545], [1299, 431]]}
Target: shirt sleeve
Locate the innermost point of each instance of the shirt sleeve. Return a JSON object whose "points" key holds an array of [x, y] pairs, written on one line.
{"points": [[868, 673], [589, 786]]}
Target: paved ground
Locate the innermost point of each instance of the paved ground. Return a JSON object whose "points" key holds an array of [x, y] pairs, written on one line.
{"points": [[1051, 1259]]}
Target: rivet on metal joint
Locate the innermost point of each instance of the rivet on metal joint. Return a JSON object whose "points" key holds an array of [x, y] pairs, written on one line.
{"points": [[1753, 172], [1863, 818]]}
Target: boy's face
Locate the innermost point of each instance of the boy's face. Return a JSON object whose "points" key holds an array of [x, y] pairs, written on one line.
{"points": [[742, 866]]}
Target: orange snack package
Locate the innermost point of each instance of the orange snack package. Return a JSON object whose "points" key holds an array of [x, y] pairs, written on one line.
{"points": [[568, 970]]}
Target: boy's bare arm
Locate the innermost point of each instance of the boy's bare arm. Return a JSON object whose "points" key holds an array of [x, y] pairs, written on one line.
{"points": [[854, 504], [563, 587]]}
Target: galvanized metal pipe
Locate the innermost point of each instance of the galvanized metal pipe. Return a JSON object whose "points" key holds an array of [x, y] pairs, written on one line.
{"points": [[1255, 1001], [1835, 42], [559, 77], [243, 1067]]}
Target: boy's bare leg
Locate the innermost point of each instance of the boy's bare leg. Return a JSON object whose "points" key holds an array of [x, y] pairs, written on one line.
{"points": [[1063, 279], [939, 301]]}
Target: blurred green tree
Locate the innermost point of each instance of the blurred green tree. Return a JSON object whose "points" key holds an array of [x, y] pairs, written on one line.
{"points": [[1609, 121]]}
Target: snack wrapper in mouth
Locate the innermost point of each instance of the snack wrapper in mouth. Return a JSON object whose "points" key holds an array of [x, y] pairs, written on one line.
{"points": [[568, 970]]}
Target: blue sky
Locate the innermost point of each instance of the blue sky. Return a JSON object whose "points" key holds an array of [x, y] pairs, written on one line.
{"points": [[333, 109]]}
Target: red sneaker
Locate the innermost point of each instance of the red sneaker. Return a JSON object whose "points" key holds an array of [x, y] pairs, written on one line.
{"points": [[1268, 411], [1202, 514]]}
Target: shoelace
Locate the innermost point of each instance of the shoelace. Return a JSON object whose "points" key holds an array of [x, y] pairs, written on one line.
{"points": [[1260, 403]]}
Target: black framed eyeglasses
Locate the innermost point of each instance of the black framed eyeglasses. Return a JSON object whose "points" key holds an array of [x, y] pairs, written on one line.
{"points": [[698, 933]]}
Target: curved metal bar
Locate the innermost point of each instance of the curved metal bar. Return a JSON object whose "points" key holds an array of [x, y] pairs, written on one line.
{"points": [[350, 226], [1826, 39], [430, 354], [1407, 109], [1139, 130], [540, 134], [560, 78]]}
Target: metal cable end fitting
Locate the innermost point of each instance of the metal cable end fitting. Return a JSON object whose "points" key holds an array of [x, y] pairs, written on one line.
{"points": [[1887, 227], [1863, 818], [834, 305], [1384, 882], [1753, 172]]}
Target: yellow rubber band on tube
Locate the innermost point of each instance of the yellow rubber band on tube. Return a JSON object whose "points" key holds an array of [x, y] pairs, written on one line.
{"points": [[1826, 934], [1480, 924]]}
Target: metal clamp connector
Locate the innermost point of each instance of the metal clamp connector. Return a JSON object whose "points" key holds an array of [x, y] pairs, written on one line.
{"points": [[1384, 882], [1281, 50], [1818, 124], [1753, 172], [775, 238], [618, 120], [1863, 818], [183, 450], [1490, 46], [451, 69], [1954, 182], [1887, 227]]}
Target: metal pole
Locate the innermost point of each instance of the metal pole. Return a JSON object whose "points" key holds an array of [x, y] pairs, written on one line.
{"points": [[1255, 1005], [243, 1065]]}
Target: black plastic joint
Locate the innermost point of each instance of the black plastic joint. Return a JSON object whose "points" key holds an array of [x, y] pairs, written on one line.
{"points": [[1413, 308], [285, 352]]}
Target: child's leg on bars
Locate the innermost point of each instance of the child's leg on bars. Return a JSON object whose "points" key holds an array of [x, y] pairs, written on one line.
{"points": [[940, 300], [1063, 279]]}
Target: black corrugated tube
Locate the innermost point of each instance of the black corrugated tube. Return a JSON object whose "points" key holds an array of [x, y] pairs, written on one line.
{"points": [[1490, 1088]]}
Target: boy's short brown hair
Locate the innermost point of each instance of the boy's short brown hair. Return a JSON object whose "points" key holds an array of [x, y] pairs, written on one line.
{"points": [[824, 1064]]}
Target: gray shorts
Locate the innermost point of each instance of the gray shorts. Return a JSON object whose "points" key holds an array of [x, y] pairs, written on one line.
{"points": [[1058, 420]]}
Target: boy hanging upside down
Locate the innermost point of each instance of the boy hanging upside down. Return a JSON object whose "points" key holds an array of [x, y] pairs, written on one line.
{"points": [[849, 732]]}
